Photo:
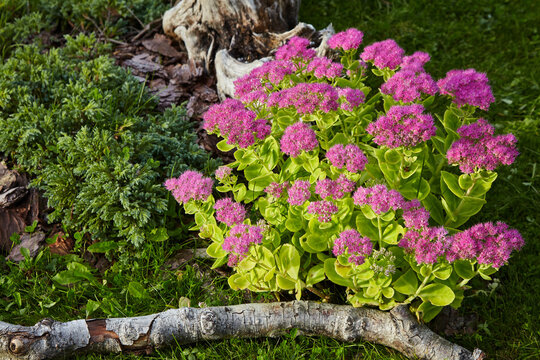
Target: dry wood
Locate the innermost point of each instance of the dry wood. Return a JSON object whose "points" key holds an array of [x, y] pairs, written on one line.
{"points": [[205, 26], [397, 329]]}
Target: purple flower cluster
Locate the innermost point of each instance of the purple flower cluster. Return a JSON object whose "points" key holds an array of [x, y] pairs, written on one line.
{"points": [[384, 54], [229, 212], [306, 98], [191, 185], [256, 85], [238, 124], [350, 98], [402, 126], [479, 149], [428, 244], [409, 83], [222, 172], [334, 188], [297, 138], [467, 87], [350, 242], [379, 198], [415, 215], [349, 156], [296, 48], [299, 192], [322, 67], [325, 210], [346, 40], [276, 189], [240, 238], [488, 243]]}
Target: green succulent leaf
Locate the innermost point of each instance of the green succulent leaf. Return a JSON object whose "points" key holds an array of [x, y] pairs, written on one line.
{"points": [[407, 283], [437, 294]]}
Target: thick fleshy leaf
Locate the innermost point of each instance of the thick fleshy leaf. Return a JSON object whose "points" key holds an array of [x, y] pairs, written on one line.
{"points": [[427, 312], [223, 146], [284, 283], [437, 294], [315, 275], [407, 283], [330, 271], [464, 269], [443, 272]]}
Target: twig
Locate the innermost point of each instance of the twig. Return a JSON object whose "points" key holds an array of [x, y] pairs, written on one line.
{"points": [[146, 28]]}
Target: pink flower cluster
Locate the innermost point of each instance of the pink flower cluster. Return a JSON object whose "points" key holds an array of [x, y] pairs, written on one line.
{"points": [[383, 54], [402, 126], [350, 98], [191, 185], [296, 48], [276, 189], [236, 123], [488, 243], [297, 138], [415, 61], [346, 40], [256, 85], [467, 87], [229, 212], [409, 83], [415, 215], [349, 156], [240, 238], [325, 210], [306, 98], [222, 172], [479, 149], [334, 188], [322, 67], [428, 244], [379, 198], [350, 242], [299, 192]]}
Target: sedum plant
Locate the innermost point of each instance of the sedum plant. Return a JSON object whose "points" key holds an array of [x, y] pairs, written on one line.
{"points": [[364, 185]]}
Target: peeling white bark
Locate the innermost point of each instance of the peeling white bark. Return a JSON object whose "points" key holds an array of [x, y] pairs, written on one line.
{"points": [[397, 329]]}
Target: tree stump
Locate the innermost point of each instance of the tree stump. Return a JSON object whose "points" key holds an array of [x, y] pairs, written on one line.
{"points": [[230, 36]]}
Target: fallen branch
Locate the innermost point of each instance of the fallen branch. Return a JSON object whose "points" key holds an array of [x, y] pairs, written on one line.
{"points": [[397, 329]]}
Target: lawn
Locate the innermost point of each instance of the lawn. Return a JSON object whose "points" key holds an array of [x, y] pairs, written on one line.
{"points": [[500, 38]]}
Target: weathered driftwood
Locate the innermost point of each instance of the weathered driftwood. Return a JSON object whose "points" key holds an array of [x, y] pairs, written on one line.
{"points": [[205, 26], [397, 329], [228, 69]]}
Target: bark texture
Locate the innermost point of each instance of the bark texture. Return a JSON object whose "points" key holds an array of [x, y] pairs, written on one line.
{"points": [[208, 25], [230, 36], [397, 329]]}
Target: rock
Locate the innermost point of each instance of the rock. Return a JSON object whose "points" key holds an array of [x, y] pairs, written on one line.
{"points": [[33, 242]]}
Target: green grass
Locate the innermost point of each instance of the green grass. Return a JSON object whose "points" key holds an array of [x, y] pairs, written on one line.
{"points": [[497, 37]]}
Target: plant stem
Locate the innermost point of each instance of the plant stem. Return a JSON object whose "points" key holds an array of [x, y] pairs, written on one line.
{"points": [[422, 285], [318, 293], [461, 201], [380, 232]]}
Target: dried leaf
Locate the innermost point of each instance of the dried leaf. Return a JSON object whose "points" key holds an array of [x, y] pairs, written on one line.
{"points": [[161, 44], [143, 64]]}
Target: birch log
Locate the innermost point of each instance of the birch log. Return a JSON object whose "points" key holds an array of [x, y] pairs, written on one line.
{"points": [[397, 329]]}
